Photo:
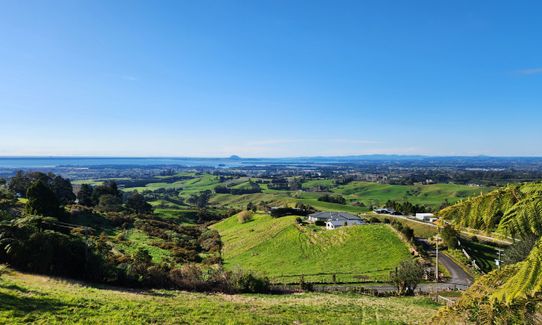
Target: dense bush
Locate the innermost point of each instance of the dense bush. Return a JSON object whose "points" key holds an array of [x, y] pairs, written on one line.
{"points": [[332, 199], [406, 208], [405, 230], [286, 211]]}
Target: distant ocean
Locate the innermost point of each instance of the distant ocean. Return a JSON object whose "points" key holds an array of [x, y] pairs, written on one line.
{"points": [[57, 162]]}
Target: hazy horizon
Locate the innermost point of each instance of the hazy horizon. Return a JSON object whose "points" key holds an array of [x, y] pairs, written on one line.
{"points": [[264, 157]]}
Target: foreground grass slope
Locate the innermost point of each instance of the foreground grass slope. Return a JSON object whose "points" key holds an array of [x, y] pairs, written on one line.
{"points": [[27, 298], [285, 251]]}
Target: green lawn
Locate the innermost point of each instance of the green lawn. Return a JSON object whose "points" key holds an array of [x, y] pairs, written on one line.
{"points": [[36, 299], [284, 251]]}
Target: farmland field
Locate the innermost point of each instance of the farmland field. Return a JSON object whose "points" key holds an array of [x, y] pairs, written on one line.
{"points": [[28, 298], [285, 250], [431, 195]]}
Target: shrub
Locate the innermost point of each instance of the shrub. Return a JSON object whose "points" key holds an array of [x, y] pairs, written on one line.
{"points": [[245, 216], [247, 282], [406, 277], [374, 220]]}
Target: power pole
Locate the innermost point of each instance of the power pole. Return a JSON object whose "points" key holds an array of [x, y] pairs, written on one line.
{"points": [[436, 264]]}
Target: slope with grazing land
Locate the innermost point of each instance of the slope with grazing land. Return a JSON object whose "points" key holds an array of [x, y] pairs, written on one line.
{"points": [[432, 195], [284, 250], [28, 298]]}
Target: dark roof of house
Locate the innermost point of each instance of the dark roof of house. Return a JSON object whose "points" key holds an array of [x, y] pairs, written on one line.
{"points": [[334, 215]]}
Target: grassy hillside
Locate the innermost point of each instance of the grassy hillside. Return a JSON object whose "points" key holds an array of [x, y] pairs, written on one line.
{"points": [[431, 195], [514, 209], [284, 250], [26, 298]]}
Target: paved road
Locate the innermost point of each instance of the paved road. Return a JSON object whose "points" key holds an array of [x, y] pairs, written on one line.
{"points": [[463, 232], [457, 274]]}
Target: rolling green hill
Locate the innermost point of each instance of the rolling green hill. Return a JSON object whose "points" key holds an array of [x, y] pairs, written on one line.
{"points": [[285, 251], [431, 195], [38, 299]]}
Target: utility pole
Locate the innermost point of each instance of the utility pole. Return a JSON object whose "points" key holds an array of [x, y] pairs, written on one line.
{"points": [[436, 264]]}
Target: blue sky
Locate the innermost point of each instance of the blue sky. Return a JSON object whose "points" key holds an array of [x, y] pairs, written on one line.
{"points": [[270, 78]]}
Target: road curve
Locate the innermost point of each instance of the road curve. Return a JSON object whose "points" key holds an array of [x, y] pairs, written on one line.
{"points": [[457, 274]]}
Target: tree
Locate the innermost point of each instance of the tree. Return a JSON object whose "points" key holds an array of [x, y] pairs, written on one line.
{"points": [[406, 277], [200, 200], [449, 236], [137, 203], [245, 216], [19, 183], [63, 190], [251, 207], [107, 188], [85, 195], [110, 203], [7, 199], [42, 200]]}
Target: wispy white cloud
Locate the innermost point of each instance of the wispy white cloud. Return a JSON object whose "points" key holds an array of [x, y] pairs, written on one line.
{"points": [[530, 71]]}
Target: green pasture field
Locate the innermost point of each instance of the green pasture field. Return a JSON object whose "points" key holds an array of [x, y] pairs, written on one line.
{"points": [[284, 250]]}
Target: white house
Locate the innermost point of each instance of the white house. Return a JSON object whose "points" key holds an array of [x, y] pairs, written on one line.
{"points": [[335, 220], [425, 216], [337, 223]]}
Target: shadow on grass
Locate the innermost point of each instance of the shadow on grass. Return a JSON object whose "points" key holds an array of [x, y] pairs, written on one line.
{"points": [[14, 287], [21, 306]]}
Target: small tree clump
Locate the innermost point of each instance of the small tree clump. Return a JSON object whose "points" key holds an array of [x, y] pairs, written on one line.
{"points": [[245, 216], [406, 277]]}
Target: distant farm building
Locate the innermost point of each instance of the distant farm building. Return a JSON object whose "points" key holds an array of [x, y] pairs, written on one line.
{"points": [[427, 217], [335, 220]]}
